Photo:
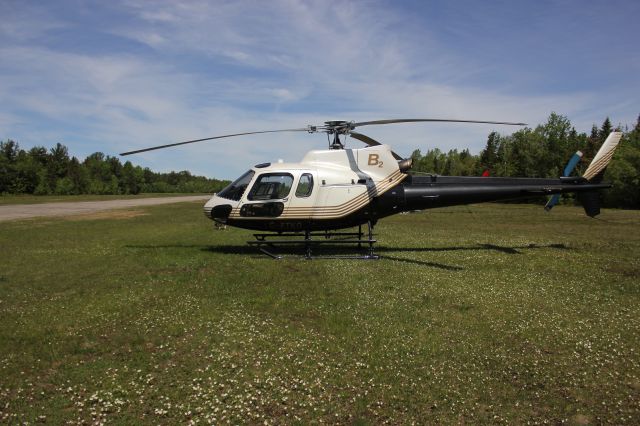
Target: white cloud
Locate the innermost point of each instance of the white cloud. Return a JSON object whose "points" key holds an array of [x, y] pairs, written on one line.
{"points": [[219, 68]]}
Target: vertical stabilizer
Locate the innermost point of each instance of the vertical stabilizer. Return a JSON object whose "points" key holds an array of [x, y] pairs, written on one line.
{"points": [[591, 200], [602, 158]]}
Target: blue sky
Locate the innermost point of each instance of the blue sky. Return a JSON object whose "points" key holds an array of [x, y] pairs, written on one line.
{"points": [[120, 75]]}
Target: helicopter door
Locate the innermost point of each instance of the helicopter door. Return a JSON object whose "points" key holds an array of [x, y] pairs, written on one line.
{"points": [[268, 196], [303, 198]]}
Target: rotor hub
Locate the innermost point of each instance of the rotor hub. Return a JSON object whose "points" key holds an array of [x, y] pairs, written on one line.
{"points": [[339, 126]]}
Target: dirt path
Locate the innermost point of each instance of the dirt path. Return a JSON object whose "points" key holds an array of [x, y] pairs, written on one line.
{"points": [[26, 211]]}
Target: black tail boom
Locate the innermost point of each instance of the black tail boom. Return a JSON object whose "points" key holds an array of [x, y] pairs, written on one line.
{"points": [[423, 192]]}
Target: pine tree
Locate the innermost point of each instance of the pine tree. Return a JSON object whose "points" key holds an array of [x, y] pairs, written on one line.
{"points": [[489, 156], [605, 130]]}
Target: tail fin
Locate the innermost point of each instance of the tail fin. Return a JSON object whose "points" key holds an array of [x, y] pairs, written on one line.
{"points": [[596, 169], [591, 199]]}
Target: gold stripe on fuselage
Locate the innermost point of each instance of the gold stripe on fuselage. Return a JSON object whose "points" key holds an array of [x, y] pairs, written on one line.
{"points": [[332, 212], [347, 207]]}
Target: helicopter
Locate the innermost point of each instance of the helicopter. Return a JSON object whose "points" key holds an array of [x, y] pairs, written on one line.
{"points": [[339, 188]]}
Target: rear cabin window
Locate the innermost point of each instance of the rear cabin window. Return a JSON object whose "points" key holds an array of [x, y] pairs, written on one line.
{"points": [[271, 186], [305, 185]]}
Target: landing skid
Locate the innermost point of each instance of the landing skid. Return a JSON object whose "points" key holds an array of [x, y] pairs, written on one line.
{"points": [[265, 243]]}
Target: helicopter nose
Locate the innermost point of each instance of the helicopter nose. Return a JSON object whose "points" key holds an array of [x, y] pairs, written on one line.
{"points": [[218, 209], [221, 212]]}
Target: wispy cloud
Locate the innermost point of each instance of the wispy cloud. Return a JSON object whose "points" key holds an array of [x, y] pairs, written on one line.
{"points": [[166, 71]]}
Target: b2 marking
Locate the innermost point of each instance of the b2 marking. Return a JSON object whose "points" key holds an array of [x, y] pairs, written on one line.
{"points": [[374, 160]]}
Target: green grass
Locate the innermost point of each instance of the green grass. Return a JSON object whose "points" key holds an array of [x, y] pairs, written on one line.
{"points": [[37, 199], [481, 314]]}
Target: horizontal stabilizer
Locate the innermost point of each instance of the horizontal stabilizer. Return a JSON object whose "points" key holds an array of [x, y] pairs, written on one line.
{"points": [[602, 158]]}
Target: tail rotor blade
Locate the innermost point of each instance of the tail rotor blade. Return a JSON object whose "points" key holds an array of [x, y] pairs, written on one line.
{"points": [[573, 162]]}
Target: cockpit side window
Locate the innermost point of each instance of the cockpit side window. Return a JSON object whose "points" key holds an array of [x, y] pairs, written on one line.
{"points": [[271, 186], [305, 185], [235, 190]]}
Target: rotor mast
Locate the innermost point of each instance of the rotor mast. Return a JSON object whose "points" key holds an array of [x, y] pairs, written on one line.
{"points": [[336, 128]]}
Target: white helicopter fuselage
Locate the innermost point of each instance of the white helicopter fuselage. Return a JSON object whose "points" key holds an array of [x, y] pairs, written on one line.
{"points": [[328, 189]]}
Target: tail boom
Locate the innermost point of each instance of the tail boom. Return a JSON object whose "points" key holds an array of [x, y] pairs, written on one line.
{"points": [[440, 191]]}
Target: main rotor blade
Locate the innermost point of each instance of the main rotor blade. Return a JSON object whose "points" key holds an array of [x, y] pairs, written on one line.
{"points": [[440, 120], [371, 142], [306, 129]]}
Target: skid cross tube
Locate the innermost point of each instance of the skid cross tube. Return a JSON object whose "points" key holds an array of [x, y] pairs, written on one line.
{"points": [[265, 242]]}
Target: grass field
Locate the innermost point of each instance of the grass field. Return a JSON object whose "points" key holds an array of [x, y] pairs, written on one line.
{"points": [[480, 314]]}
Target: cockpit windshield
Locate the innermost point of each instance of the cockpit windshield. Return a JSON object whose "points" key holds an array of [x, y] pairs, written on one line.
{"points": [[237, 187]]}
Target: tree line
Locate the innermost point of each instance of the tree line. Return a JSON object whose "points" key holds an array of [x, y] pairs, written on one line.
{"points": [[530, 152], [53, 172], [543, 151]]}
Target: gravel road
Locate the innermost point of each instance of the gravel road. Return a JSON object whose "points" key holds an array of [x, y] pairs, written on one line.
{"points": [[26, 211]]}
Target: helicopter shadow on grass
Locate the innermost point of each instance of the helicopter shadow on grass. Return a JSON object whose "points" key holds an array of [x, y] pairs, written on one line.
{"points": [[340, 252], [222, 249], [502, 249], [484, 246], [328, 252]]}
